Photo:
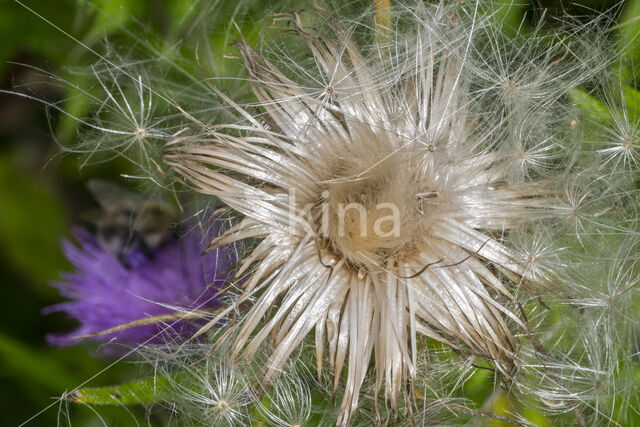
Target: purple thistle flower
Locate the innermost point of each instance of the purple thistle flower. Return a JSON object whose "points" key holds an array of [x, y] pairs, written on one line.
{"points": [[106, 291]]}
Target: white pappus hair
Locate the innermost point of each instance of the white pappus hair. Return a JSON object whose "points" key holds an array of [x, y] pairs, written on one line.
{"points": [[383, 190], [417, 199]]}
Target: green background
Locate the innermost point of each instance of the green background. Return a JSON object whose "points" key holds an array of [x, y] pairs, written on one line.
{"points": [[42, 192]]}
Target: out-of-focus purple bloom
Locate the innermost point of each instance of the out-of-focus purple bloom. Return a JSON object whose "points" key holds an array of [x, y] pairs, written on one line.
{"points": [[106, 291]]}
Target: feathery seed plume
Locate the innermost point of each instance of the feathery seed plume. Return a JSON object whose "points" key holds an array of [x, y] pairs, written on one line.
{"points": [[381, 196]]}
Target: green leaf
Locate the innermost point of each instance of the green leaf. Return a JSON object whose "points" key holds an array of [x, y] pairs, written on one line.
{"points": [[478, 387], [627, 32], [148, 390], [632, 102], [501, 405], [509, 15], [31, 223], [24, 29], [535, 417], [114, 15], [40, 370], [592, 107]]}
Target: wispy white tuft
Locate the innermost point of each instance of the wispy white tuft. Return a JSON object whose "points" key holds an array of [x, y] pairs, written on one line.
{"points": [[403, 138]]}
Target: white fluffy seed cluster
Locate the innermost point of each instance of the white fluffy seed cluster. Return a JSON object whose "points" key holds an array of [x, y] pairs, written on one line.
{"points": [[417, 201]]}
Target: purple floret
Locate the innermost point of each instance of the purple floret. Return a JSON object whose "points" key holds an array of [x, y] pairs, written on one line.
{"points": [[106, 291]]}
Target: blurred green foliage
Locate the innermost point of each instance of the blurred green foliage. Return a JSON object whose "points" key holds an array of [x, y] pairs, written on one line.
{"points": [[42, 193]]}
